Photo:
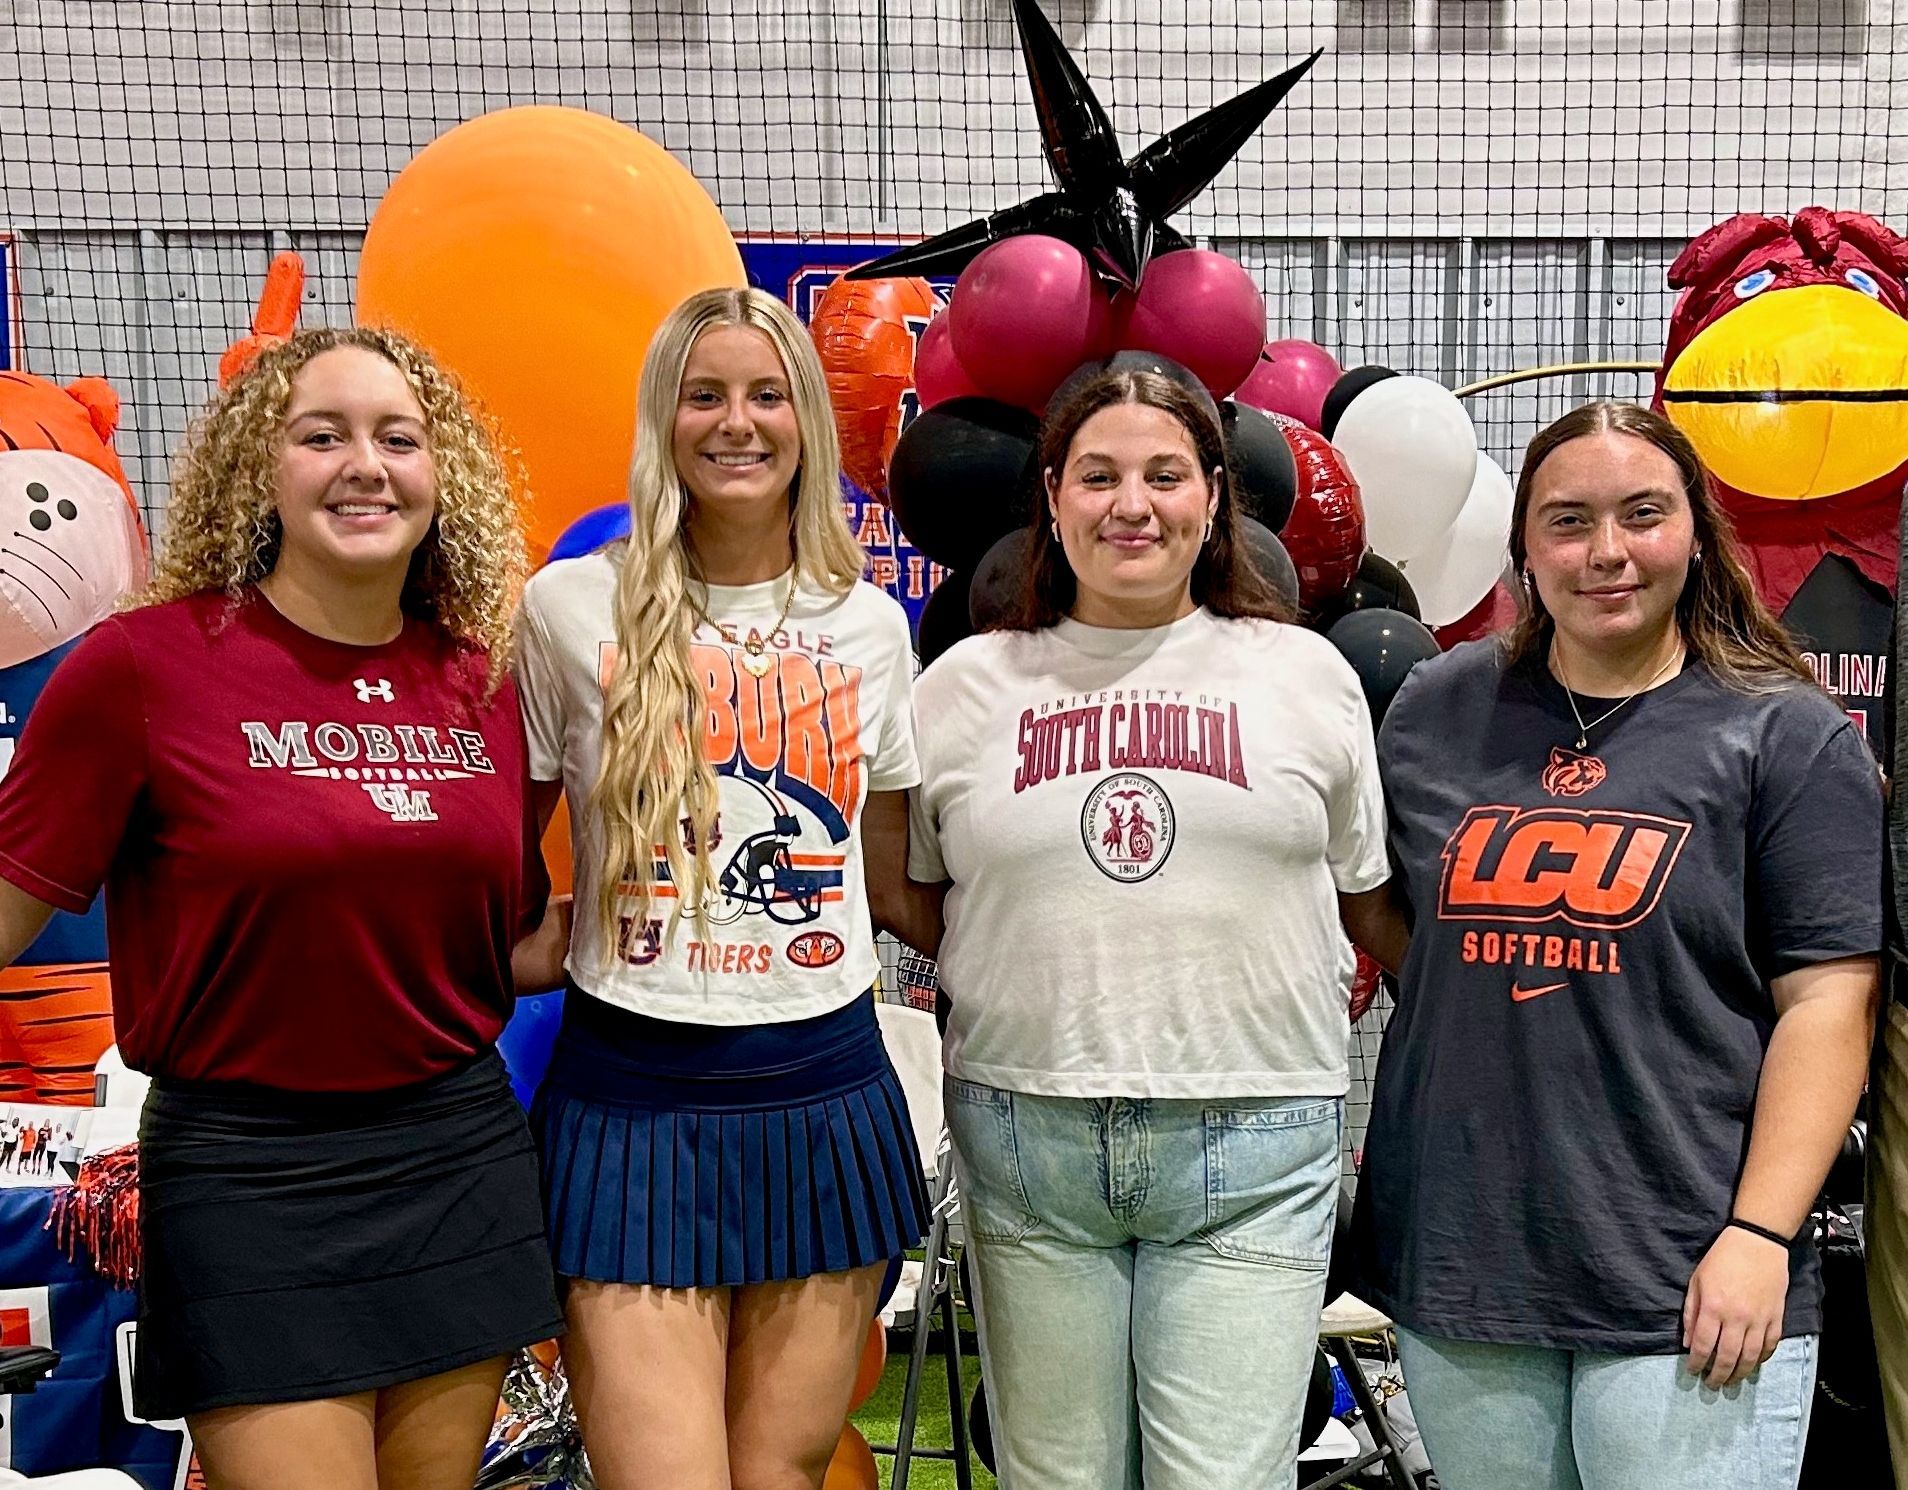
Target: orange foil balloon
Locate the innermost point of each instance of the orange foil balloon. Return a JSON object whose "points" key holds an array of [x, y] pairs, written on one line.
{"points": [[535, 251], [853, 1467], [874, 1356], [865, 330]]}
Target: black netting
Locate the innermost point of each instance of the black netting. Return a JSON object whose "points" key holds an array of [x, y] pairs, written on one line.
{"points": [[1460, 188]]}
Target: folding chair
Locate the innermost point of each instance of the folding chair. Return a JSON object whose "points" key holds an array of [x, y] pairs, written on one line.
{"points": [[1347, 1317], [927, 1297]]}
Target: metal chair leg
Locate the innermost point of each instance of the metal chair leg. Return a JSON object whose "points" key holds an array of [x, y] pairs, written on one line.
{"points": [[956, 1394], [926, 1299], [1375, 1423]]}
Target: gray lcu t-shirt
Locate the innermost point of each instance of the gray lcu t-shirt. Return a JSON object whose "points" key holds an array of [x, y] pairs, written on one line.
{"points": [[1565, 1092]]}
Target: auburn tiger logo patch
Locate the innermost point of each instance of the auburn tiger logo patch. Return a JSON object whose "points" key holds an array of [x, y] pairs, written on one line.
{"points": [[816, 949]]}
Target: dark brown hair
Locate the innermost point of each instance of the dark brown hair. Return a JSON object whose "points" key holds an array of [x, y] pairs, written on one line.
{"points": [[1722, 620], [1224, 579]]}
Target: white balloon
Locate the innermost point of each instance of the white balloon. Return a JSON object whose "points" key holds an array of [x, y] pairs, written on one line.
{"points": [[1413, 451], [1457, 571]]}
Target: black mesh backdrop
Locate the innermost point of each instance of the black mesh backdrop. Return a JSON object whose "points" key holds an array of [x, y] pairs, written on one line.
{"points": [[1461, 187]]}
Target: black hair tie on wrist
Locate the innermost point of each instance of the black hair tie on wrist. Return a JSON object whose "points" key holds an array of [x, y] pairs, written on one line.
{"points": [[1762, 1231]]}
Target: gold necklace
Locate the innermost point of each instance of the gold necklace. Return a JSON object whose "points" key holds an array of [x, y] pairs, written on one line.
{"points": [[1583, 730], [755, 657]]}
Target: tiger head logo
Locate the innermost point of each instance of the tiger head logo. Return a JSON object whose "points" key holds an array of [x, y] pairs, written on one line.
{"points": [[1571, 775], [71, 543]]}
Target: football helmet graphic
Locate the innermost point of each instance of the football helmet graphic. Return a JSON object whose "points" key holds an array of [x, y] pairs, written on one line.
{"points": [[762, 874]]}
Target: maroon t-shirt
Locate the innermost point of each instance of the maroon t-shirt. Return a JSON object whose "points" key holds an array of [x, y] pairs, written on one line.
{"points": [[315, 854]]}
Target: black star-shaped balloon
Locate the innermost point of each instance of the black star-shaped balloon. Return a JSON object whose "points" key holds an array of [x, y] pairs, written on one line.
{"points": [[1111, 209]]}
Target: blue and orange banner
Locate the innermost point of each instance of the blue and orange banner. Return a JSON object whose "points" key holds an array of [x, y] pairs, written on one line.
{"points": [[799, 271]]}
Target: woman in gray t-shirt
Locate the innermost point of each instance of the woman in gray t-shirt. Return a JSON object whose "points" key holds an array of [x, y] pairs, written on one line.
{"points": [[1642, 857]]}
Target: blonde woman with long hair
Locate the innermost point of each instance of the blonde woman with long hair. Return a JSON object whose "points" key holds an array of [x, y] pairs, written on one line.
{"points": [[299, 764], [727, 1154]]}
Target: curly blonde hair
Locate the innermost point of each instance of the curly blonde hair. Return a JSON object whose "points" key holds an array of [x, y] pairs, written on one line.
{"points": [[222, 525], [656, 790]]}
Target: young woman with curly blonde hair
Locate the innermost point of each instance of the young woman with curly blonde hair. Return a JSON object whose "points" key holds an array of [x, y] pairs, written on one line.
{"points": [[300, 766], [727, 1153]]}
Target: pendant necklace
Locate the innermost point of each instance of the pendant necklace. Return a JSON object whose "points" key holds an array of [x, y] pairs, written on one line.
{"points": [[755, 656], [1583, 730]]}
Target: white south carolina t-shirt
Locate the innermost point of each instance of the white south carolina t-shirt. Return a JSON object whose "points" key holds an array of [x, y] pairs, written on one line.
{"points": [[796, 753], [1146, 833]]}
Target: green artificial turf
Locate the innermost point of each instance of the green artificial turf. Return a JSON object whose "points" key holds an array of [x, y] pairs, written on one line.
{"points": [[880, 1416]]}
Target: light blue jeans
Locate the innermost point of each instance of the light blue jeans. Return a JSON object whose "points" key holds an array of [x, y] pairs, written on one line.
{"points": [[1148, 1279], [1520, 1417]]}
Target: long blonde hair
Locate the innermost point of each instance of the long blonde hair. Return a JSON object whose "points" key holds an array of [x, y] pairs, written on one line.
{"points": [[222, 525], [656, 788]]}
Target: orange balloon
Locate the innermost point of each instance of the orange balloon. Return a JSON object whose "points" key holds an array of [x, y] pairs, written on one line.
{"points": [[853, 1467], [535, 251], [874, 1357], [865, 330]]}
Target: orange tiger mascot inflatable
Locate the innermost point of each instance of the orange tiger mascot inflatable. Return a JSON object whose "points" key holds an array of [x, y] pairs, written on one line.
{"points": [[76, 547]]}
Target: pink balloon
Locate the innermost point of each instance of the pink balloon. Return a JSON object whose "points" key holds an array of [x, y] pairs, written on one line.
{"points": [[938, 374], [1292, 378], [1025, 313], [1203, 311]]}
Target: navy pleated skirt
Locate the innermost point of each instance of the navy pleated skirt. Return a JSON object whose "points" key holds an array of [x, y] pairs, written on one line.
{"points": [[703, 1156]]}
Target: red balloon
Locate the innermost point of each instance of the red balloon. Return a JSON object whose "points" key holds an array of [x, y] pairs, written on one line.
{"points": [[1364, 989], [1325, 535], [1491, 614], [1026, 312], [1202, 310], [861, 329], [1292, 377], [938, 374]]}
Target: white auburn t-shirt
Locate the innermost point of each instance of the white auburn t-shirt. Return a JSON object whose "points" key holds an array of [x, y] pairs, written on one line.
{"points": [[796, 753], [1146, 833]]}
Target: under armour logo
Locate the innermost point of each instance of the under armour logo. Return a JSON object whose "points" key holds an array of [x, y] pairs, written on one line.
{"points": [[403, 804], [378, 690]]}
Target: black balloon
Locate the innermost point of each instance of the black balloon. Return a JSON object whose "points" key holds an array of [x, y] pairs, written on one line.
{"points": [[959, 477], [1269, 557], [1382, 646], [1262, 463], [1111, 209], [1345, 390], [1000, 580], [980, 1427], [1380, 585], [943, 619], [1134, 360]]}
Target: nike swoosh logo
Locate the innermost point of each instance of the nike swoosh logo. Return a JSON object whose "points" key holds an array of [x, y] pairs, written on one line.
{"points": [[1519, 995]]}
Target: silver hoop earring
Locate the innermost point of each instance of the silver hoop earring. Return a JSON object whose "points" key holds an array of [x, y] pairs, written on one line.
{"points": [[1208, 538], [1055, 525]]}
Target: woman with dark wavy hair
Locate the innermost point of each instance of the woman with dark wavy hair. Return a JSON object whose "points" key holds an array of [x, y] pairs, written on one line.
{"points": [[1153, 799], [1641, 851]]}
